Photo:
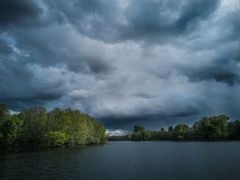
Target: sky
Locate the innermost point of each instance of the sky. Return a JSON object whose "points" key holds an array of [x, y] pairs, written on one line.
{"points": [[148, 62]]}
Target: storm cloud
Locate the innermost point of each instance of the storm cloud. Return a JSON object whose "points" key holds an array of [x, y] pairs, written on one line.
{"points": [[125, 62]]}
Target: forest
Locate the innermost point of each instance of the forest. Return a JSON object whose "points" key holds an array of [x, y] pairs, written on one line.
{"points": [[36, 127], [207, 128]]}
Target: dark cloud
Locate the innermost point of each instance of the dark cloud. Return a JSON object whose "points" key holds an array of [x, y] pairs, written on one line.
{"points": [[93, 18], [127, 62], [220, 73], [17, 12], [94, 65], [18, 84], [158, 120], [161, 19], [143, 95], [193, 11], [141, 20]]}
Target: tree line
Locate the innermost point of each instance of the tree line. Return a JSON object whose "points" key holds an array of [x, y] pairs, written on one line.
{"points": [[207, 128], [36, 127]]}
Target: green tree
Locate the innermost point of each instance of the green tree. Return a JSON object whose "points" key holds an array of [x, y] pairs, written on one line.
{"points": [[34, 126], [8, 126], [213, 127], [138, 128], [8, 131], [162, 129], [37, 127], [170, 129], [146, 135], [234, 129], [57, 138], [181, 131], [3, 111]]}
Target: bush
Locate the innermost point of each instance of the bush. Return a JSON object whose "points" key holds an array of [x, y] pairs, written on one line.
{"points": [[57, 138]]}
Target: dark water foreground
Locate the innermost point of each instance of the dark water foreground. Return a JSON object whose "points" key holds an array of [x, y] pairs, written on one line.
{"points": [[128, 160]]}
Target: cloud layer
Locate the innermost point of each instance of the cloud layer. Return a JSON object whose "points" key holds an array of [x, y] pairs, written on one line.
{"points": [[150, 62]]}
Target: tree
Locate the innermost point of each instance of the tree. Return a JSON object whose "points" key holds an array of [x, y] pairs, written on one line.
{"points": [[37, 127], [34, 126], [137, 136], [8, 131], [138, 128], [8, 126], [3, 111], [57, 138], [214, 127], [170, 129], [234, 129], [162, 129], [146, 135], [181, 131], [101, 133]]}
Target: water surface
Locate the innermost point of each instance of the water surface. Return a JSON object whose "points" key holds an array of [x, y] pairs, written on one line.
{"points": [[128, 160]]}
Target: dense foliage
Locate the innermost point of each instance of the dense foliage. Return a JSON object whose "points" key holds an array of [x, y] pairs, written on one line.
{"points": [[207, 128], [36, 127]]}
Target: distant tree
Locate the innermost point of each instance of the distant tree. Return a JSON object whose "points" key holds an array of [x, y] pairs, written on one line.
{"points": [[234, 129], [137, 136], [214, 127], [170, 129], [181, 131], [209, 128], [138, 128], [120, 138], [146, 135]]}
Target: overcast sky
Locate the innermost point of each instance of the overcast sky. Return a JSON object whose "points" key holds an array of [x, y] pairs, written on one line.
{"points": [[125, 62]]}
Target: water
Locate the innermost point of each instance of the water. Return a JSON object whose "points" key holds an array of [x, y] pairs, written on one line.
{"points": [[128, 160]]}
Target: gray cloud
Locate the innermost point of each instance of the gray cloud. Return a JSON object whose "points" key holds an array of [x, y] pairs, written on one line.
{"points": [[18, 12], [125, 62], [165, 19], [4, 48]]}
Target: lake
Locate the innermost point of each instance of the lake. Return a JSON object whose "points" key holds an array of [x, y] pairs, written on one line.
{"points": [[127, 160]]}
